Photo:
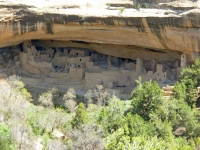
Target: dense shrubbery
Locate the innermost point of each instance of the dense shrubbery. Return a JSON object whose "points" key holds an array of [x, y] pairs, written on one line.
{"points": [[146, 99], [147, 121], [47, 99], [18, 87], [6, 142], [186, 89]]}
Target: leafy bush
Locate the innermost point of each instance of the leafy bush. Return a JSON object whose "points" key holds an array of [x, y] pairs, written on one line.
{"points": [[111, 116], [118, 141], [187, 87], [137, 126], [69, 99], [121, 10], [18, 87], [87, 138], [70, 95], [47, 99], [138, 7], [81, 116], [97, 96], [89, 96], [146, 98], [43, 120], [6, 142]]}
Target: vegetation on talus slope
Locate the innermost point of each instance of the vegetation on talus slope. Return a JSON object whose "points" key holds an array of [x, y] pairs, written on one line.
{"points": [[100, 121]]}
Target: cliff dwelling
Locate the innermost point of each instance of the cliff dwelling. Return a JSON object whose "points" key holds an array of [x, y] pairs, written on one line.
{"points": [[74, 45], [49, 63]]}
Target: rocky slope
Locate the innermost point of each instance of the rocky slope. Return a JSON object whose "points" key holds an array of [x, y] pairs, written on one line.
{"points": [[149, 32]]}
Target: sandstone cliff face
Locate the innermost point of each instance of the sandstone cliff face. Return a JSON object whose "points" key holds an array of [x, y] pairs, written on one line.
{"points": [[149, 33]]}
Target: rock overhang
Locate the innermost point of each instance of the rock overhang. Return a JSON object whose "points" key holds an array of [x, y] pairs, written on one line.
{"points": [[170, 32]]}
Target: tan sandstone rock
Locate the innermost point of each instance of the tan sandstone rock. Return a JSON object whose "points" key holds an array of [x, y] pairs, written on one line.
{"points": [[84, 22]]}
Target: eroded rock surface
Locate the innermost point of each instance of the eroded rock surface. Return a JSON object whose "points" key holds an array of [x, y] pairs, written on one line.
{"points": [[172, 31], [83, 43]]}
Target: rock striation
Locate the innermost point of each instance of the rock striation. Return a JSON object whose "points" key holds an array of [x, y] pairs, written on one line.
{"points": [[172, 32]]}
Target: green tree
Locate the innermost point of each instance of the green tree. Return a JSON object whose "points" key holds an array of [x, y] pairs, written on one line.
{"points": [[137, 126], [189, 81], [118, 141], [186, 118], [179, 91], [111, 117], [81, 116], [146, 98]]}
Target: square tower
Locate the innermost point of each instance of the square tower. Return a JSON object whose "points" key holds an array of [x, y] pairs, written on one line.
{"points": [[160, 68], [184, 60], [139, 65], [153, 65]]}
